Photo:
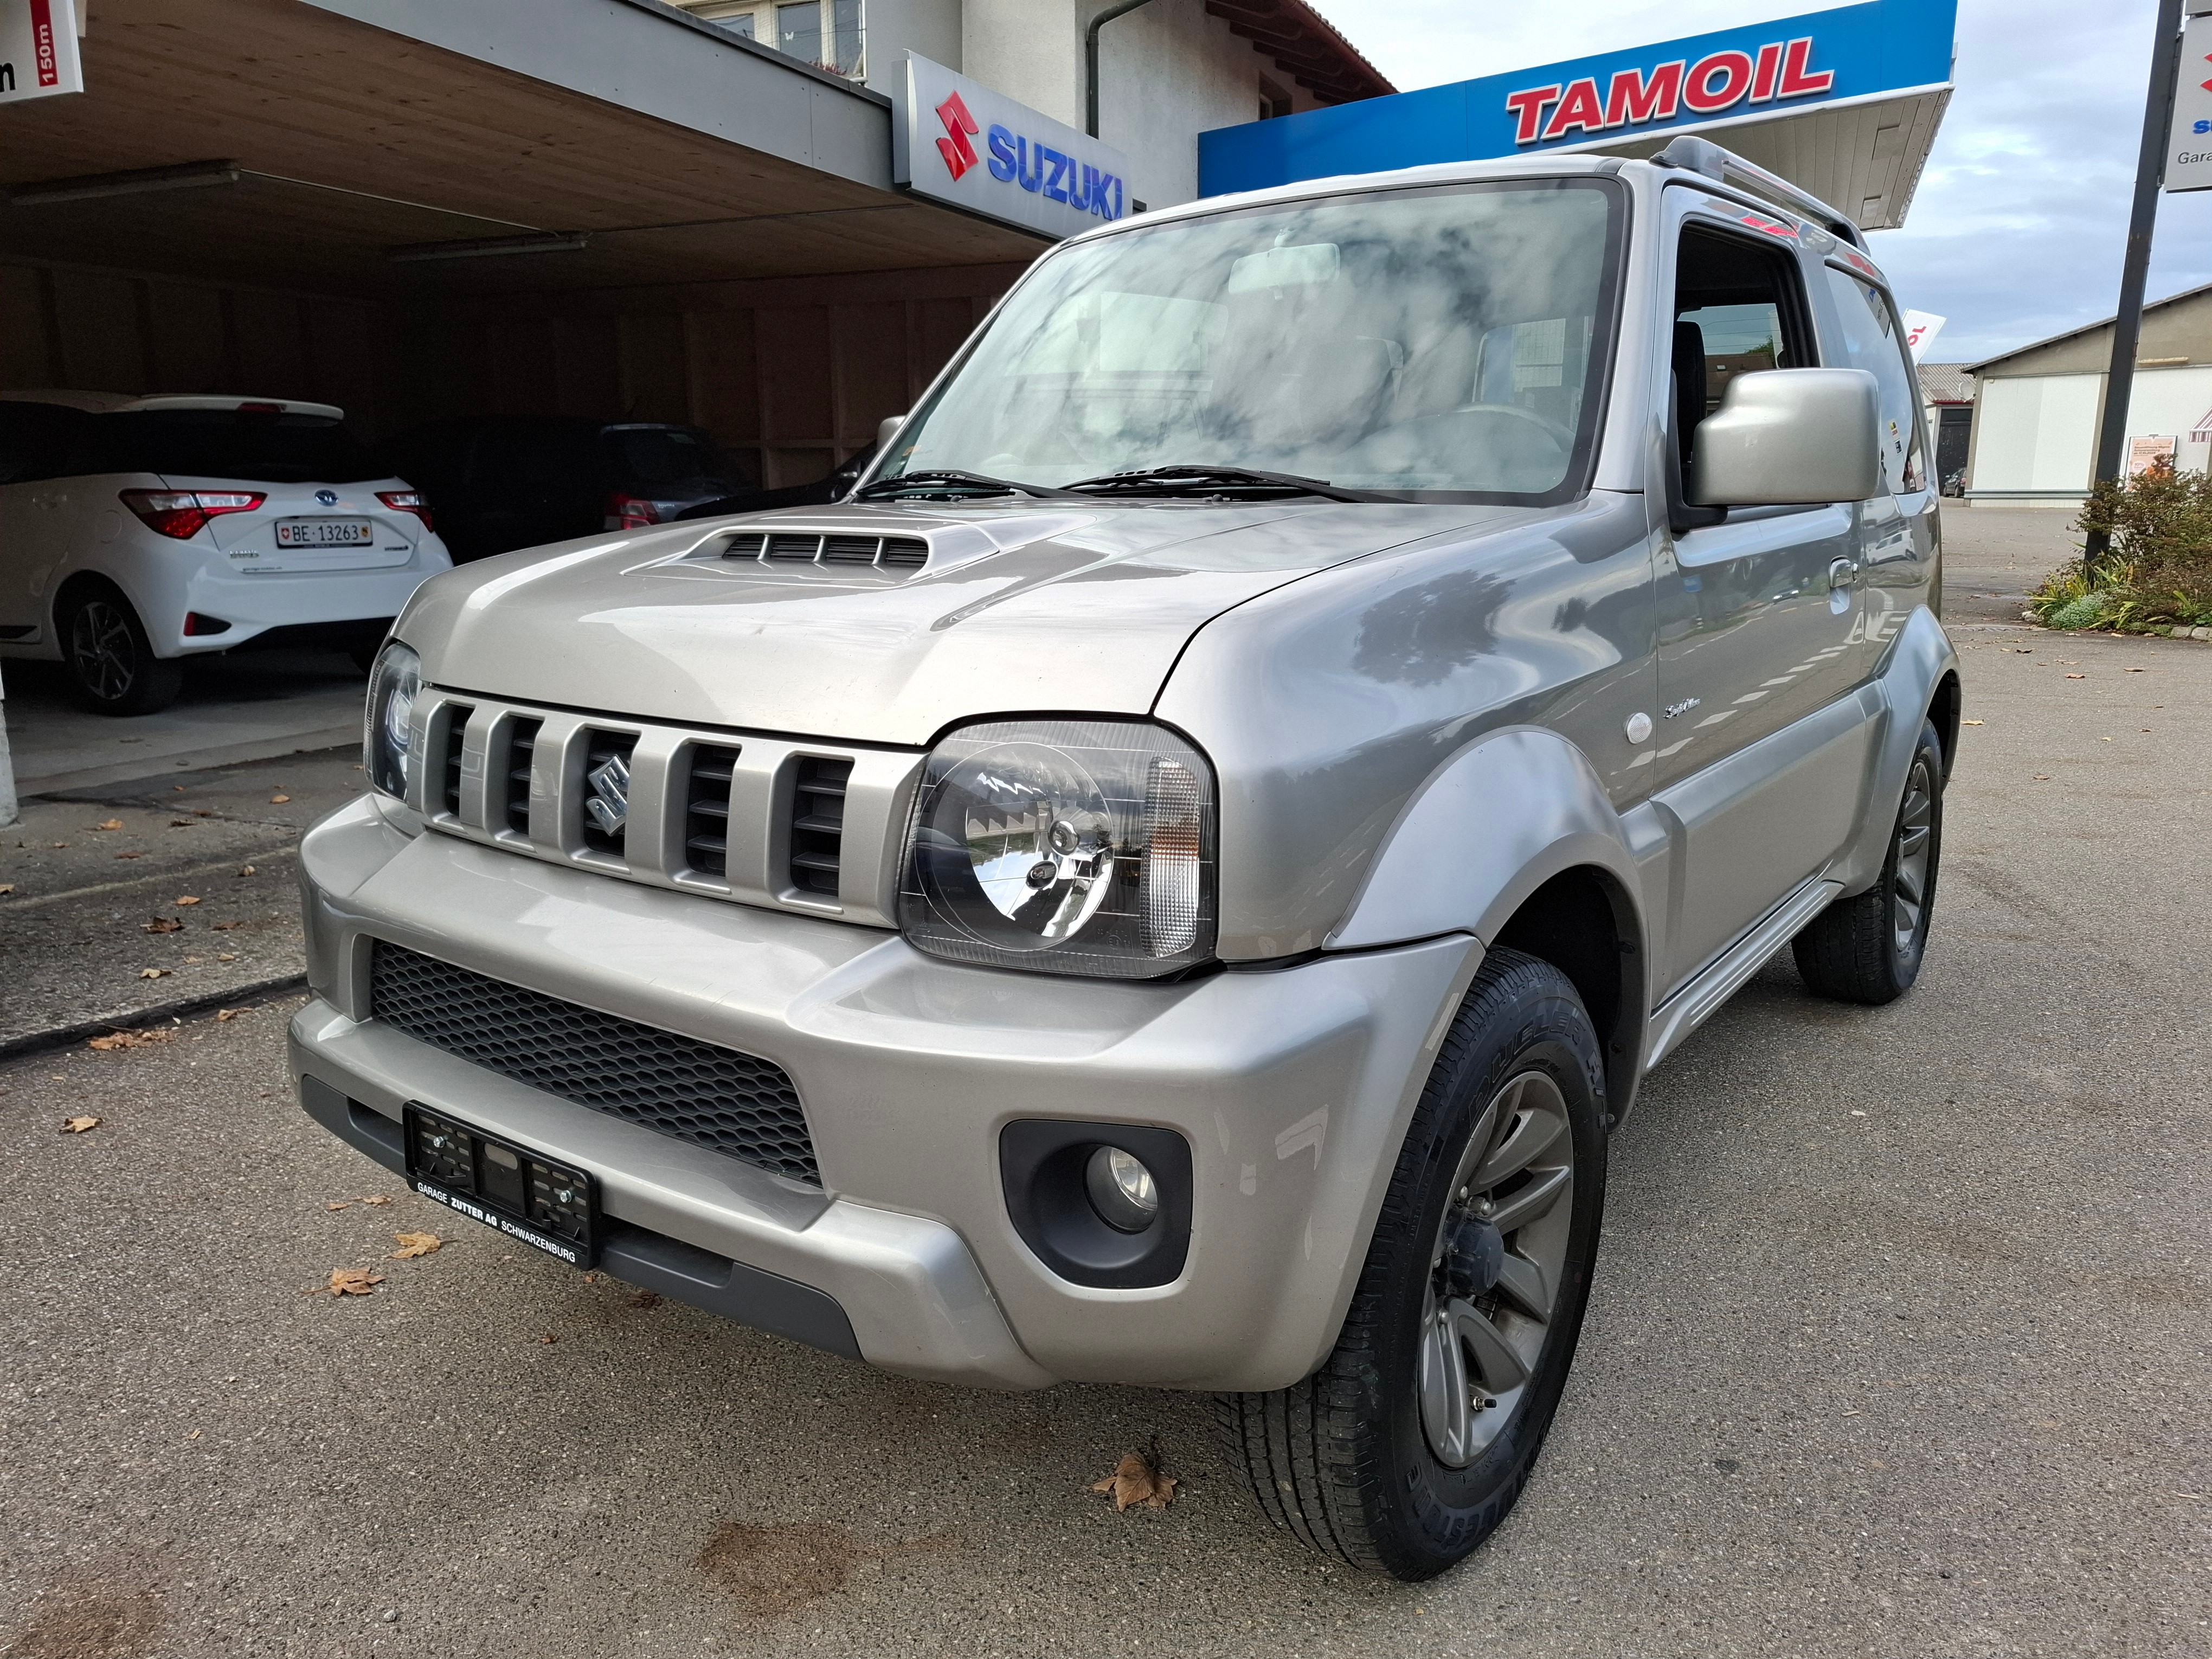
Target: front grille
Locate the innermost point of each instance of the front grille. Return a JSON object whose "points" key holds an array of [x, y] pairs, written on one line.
{"points": [[515, 778], [707, 810], [457, 731], [817, 823], [737, 1104]]}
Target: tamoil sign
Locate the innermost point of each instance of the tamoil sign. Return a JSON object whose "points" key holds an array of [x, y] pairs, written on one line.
{"points": [[1861, 53], [959, 142]]}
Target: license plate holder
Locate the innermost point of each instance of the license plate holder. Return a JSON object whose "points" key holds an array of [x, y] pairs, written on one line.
{"points": [[537, 1201], [325, 532]]}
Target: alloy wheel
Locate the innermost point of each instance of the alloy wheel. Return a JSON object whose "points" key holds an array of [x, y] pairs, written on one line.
{"points": [[1495, 1270], [102, 649], [1915, 839]]}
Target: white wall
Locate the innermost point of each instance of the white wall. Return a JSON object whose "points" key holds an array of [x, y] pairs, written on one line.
{"points": [[894, 27], [1167, 72], [2039, 432]]}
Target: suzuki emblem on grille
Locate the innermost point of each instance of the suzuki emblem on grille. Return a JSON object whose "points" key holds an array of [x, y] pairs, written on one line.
{"points": [[328, 497], [609, 805]]}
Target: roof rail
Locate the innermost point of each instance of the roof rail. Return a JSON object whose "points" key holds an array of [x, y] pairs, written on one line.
{"points": [[1702, 156]]}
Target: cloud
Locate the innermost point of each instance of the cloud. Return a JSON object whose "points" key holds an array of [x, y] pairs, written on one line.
{"points": [[2019, 225]]}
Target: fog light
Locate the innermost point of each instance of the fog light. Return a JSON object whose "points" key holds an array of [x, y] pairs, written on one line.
{"points": [[1122, 1190]]}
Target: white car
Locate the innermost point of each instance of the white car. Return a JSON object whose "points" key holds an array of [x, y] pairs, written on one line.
{"points": [[137, 532]]}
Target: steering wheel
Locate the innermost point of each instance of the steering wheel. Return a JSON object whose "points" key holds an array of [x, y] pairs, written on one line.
{"points": [[1558, 431]]}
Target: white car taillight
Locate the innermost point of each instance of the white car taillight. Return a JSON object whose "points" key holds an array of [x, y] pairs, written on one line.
{"points": [[407, 501], [181, 513]]}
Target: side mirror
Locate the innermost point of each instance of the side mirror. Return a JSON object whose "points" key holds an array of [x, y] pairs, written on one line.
{"points": [[887, 428], [1789, 437]]}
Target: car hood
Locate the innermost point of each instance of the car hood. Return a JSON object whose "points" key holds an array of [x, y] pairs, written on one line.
{"points": [[1038, 607]]}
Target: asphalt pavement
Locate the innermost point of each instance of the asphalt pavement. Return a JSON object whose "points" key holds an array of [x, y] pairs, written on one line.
{"points": [[1898, 1344]]}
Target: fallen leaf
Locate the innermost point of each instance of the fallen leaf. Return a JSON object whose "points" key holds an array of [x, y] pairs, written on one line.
{"points": [[203, 812], [188, 899], [108, 823], [341, 1204], [348, 1281], [60, 844], [645, 1299], [194, 1435], [226, 956], [1970, 722], [224, 1016], [134, 1039], [2042, 777], [224, 927], [78, 1126], [414, 1244], [278, 800], [247, 870], [131, 855], [549, 1337], [377, 1198], [9, 887], [180, 823], [165, 924], [2077, 676], [1137, 1479], [156, 973], [2131, 670]]}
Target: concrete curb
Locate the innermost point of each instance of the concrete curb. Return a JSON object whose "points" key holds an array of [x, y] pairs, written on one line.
{"points": [[65, 1037]]}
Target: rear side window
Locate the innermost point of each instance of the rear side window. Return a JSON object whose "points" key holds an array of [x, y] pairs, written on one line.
{"points": [[645, 456], [1874, 340], [223, 443], [34, 440]]}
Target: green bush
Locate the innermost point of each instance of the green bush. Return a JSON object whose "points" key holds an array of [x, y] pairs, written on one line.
{"points": [[2158, 572]]}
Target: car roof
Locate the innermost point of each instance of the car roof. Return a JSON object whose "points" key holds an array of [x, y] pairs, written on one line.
{"points": [[122, 403]]}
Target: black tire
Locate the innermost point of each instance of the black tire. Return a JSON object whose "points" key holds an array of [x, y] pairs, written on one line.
{"points": [[108, 659], [1346, 1460], [1868, 948]]}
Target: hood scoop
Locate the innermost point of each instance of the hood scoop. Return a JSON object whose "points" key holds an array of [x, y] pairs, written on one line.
{"points": [[790, 546]]}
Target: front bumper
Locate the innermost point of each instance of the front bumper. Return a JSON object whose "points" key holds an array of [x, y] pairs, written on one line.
{"points": [[1293, 1088]]}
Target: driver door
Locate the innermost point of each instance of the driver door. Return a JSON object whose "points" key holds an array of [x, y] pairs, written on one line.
{"points": [[1760, 738]]}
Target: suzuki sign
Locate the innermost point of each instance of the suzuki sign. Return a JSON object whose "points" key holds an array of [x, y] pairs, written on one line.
{"points": [[2189, 146], [957, 142]]}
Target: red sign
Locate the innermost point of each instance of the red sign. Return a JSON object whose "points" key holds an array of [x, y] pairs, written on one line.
{"points": [[1716, 82], [42, 43]]}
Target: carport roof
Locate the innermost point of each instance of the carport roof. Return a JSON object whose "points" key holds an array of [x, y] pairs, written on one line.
{"points": [[678, 153]]}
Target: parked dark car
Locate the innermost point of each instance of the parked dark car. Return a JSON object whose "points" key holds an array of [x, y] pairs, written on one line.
{"points": [[498, 482], [834, 487]]}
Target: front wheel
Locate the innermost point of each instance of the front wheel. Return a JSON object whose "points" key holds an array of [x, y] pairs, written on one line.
{"points": [[1409, 1445], [112, 667], [1868, 948]]}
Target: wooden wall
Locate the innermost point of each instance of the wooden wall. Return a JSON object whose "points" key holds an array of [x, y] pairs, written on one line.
{"points": [[791, 374]]}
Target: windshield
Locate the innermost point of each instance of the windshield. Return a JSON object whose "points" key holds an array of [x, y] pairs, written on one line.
{"points": [[1436, 342]]}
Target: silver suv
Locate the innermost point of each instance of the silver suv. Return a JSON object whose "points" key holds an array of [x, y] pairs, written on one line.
{"points": [[1176, 879]]}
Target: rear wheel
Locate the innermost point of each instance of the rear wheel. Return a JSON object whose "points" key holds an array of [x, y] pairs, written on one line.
{"points": [[1868, 948], [110, 661], [1410, 1444]]}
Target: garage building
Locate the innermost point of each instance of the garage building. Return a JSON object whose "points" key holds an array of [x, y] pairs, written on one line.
{"points": [[616, 209]]}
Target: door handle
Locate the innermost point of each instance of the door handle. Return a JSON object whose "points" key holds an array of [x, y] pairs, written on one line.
{"points": [[1842, 573]]}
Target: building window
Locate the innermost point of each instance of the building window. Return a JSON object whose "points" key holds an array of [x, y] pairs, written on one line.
{"points": [[1274, 102], [827, 33]]}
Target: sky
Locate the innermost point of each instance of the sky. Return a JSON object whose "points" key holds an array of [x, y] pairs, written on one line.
{"points": [[2017, 229]]}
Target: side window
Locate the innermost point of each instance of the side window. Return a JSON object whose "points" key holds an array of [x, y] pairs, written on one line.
{"points": [[1874, 341], [34, 439], [1739, 309]]}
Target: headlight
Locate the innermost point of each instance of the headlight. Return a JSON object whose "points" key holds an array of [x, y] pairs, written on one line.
{"points": [[1065, 847], [386, 752]]}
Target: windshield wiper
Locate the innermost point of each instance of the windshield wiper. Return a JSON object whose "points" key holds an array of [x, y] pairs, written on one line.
{"points": [[949, 485], [1191, 480]]}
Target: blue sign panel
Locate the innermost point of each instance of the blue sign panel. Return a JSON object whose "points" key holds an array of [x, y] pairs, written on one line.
{"points": [[1730, 75]]}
